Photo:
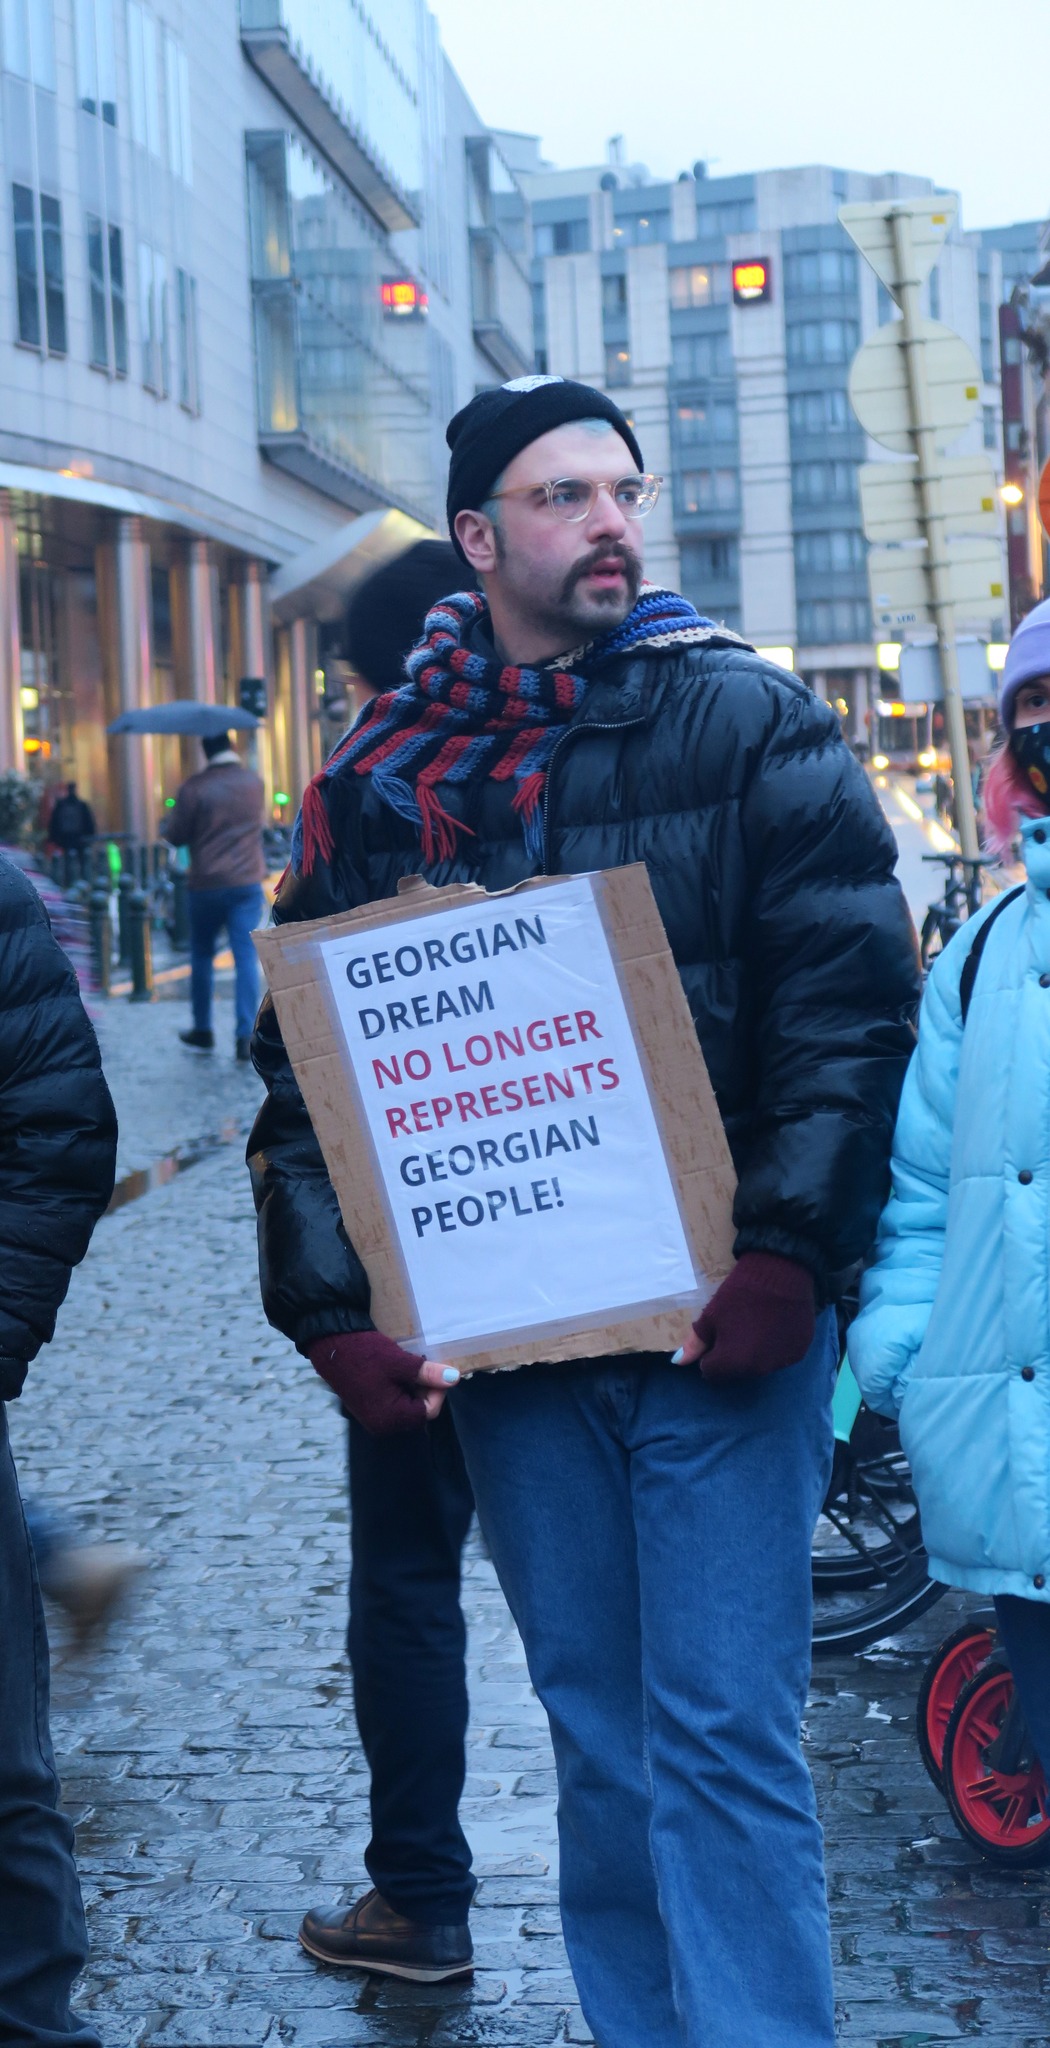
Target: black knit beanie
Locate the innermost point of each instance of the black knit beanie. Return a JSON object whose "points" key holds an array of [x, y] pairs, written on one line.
{"points": [[384, 618], [497, 424]]}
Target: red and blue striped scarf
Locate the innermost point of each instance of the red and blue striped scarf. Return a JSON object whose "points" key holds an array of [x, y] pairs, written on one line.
{"points": [[464, 719]]}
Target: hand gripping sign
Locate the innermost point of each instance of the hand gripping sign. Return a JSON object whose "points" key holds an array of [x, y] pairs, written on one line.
{"points": [[515, 1115]]}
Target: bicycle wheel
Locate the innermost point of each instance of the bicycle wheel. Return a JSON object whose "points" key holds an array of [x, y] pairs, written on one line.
{"points": [[937, 929], [1005, 1816], [870, 1575], [952, 1665]]}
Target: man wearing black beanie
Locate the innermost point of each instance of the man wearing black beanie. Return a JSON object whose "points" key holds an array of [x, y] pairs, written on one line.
{"points": [[650, 1518]]}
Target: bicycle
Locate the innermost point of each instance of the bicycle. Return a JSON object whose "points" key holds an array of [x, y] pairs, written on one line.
{"points": [[962, 897], [869, 1564]]}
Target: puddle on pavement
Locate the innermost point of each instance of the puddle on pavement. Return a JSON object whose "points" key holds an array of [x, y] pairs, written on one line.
{"points": [[131, 1186]]}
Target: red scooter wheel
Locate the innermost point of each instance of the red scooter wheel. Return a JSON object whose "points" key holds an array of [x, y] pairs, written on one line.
{"points": [[1006, 1815], [953, 1662]]}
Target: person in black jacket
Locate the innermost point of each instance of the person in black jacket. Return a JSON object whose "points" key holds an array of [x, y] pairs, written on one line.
{"points": [[58, 1136], [650, 1518]]}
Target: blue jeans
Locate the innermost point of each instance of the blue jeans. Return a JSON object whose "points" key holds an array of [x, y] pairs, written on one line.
{"points": [[239, 910], [652, 1535], [43, 1940]]}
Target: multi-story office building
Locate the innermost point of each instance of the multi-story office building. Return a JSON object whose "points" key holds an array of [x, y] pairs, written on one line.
{"points": [[248, 267], [723, 314]]}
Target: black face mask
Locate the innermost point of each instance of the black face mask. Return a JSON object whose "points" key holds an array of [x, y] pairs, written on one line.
{"points": [[1030, 747]]}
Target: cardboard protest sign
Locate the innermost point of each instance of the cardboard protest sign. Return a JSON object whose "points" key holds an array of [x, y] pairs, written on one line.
{"points": [[515, 1114]]}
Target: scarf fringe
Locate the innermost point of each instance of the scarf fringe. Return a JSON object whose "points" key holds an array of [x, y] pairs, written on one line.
{"points": [[439, 830], [528, 802]]}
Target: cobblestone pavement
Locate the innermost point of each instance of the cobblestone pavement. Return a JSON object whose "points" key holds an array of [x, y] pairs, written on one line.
{"points": [[208, 1748]]}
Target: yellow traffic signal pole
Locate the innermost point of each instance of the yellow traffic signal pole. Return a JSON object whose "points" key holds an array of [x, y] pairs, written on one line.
{"points": [[937, 569]]}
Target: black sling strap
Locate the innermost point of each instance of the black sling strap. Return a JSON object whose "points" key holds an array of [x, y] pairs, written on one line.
{"points": [[973, 957]]}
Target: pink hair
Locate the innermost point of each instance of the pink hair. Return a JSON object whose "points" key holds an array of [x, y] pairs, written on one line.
{"points": [[1007, 795]]}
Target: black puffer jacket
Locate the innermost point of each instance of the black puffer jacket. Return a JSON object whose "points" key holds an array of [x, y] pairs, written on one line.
{"points": [[58, 1128], [773, 869]]}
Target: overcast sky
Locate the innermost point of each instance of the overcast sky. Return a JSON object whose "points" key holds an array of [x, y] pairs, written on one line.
{"points": [[955, 90]]}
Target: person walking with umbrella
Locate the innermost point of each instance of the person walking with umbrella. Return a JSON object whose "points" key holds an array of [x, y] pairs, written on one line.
{"points": [[218, 815]]}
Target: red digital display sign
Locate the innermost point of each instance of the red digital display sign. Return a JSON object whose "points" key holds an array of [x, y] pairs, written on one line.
{"points": [[402, 295], [752, 281]]}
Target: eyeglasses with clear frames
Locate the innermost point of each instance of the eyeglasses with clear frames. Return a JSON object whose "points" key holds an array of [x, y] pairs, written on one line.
{"points": [[573, 497]]}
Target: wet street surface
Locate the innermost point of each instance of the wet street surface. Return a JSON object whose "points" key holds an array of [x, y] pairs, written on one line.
{"points": [[207, 1746]]}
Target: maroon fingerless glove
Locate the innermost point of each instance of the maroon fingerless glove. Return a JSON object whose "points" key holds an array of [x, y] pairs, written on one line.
{"points": [[375, 1380], [762, 1318]]}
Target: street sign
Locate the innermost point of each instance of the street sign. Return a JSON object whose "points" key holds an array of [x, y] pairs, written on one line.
{"points": [[879, 390], [870, 226], [898, 580], [1044, 498], [891, 498], [919, 673]]}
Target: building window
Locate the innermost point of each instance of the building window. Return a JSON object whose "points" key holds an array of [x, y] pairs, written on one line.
{"points": [[695, 357], [29, 41], [699, 284], [635, 230], [820, 412], [713, 421], [614, 297], [842, 619], [153, 319], [26, 278], [97, 293], [144, 78], [814, 273], [177, 93], [935, 293], [617, 366], [821, 553], [96, 59], [189, 364], [118, 302], [815, 483], [707, 562], [708, 490], [733, 217], [990, 424], [561, 237], [822, 341], [54, 283]]}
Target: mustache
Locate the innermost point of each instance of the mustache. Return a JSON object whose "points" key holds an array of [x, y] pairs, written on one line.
{"points": [[611, 550]]}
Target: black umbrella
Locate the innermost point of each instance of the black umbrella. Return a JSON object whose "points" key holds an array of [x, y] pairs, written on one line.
{"points": [[203, 721]]}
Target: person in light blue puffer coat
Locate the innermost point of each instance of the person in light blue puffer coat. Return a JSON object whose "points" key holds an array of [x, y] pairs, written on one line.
{"points": [[953, 1337]]}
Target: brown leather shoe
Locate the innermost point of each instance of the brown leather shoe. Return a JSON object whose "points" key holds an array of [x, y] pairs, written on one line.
{"points": [[369, 1935]]}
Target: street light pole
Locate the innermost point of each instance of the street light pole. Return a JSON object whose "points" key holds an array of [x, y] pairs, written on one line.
{"points": [[937, 567]]}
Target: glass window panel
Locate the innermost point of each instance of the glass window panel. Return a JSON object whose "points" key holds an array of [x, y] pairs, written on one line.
{"points": [[172, 110], [147, 318], [97, 293], [42, 44], [268, 213], [275, 343], [87, 69], [118, 303], [160, 300], [151, 82], [184, 113], [15, 18], [136, 75], [106, 57], [617, 366], [54, 283], [26, 282]]}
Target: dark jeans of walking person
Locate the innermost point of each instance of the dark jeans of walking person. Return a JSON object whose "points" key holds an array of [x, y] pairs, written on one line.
{"points": [[666, 1499], [411, 1507], [238, 911], [43, 1939], [1024, 1628]]}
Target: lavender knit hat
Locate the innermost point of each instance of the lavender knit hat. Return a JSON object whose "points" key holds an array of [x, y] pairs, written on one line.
{"points": [[1028, 656]]}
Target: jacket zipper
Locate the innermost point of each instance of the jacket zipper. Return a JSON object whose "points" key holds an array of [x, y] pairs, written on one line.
{"points": [[574, 732]]}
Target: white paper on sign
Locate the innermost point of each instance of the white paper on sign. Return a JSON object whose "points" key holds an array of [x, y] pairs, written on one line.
{"points": [[516, 1141]]}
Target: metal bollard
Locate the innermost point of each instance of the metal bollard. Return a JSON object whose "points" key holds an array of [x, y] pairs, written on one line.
{"points": [[141, 948], [101, 938], [180, 914], [125, 891]]}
